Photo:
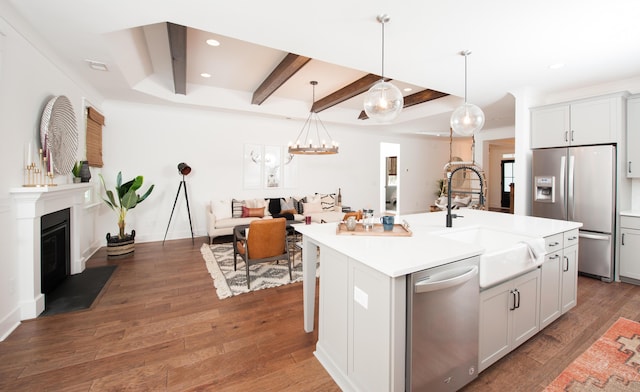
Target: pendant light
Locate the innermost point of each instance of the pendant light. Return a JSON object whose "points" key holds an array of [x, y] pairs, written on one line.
{"points": [[468, 118], [384, 101], [306, 146]]}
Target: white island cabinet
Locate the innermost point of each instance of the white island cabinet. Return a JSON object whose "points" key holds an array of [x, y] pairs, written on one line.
{"points": [[630, 246], [362, 300], [508, 316], [559, 278]]}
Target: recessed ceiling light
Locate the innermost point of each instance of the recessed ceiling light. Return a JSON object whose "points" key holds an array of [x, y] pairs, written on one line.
{"points": [[556, 66], [213, 42], [205, 75], [407, 89], [97, 65]]}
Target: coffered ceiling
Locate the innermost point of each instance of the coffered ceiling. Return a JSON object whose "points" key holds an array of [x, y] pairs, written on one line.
{"points": [[514, 45]]}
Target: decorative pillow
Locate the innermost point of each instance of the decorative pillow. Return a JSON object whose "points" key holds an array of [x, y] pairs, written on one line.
{"points": [[311, 208], [266, 207], [252, 212], [314, 198], [259, 203], [298, 204], [286, 204], [236, 207], [274, 206], [328, 202], [221, 208]]}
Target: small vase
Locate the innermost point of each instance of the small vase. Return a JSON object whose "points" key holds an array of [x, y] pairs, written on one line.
{"points": [[351, 223], [85, 173], [76, 180]]}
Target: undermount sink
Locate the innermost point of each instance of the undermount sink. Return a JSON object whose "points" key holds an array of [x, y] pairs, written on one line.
{"points": [[505, 254]]}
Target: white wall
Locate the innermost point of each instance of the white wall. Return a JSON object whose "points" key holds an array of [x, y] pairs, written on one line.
{"points": [[151, 140], [29, 77]]}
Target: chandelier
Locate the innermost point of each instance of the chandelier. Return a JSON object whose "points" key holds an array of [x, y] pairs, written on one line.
{"points": [[468, 118], [384, 101], [306, 146]]}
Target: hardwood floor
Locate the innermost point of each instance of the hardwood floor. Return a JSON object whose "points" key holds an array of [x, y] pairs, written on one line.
{"points": [[159, 326]]}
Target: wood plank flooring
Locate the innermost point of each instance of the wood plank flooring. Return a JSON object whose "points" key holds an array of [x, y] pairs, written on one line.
{"points": [[159, 326]]}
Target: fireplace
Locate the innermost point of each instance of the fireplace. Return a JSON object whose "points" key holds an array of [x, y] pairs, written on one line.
{"points": [[31, 204], [55, 246]]}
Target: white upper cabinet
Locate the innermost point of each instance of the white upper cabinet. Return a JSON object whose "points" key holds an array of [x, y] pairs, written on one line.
{"points": [[633, 137], [590, 121], [550, 126]]}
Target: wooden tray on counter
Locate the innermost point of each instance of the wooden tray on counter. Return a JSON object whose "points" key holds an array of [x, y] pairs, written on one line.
{"points": [[377, 230]]}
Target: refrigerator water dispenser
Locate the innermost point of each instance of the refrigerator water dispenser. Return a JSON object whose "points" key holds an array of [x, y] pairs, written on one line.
{"points": [[544, 189]]}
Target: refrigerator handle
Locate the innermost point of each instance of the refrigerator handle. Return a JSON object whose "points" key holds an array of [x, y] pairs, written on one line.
{"points": [[570, 186], [563, 164]]}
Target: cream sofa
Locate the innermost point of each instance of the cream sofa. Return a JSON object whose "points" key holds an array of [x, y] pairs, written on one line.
{"points": [[224, 215]]}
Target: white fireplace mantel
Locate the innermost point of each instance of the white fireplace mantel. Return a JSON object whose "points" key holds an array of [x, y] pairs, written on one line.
{"points": [[31, 203]]}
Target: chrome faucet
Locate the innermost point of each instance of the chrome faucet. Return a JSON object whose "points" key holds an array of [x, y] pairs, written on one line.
{"points": [[450, 216]]}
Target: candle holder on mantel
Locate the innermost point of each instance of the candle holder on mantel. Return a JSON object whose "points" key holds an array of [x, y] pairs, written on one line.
{"points": [[39, 175]]}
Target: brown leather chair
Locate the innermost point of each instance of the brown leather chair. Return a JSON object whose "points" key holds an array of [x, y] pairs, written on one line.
{"points": [[265, 242], [355, 214]]}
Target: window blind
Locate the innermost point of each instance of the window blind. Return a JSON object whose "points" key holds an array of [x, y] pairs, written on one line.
{"points": [[95, 121]]}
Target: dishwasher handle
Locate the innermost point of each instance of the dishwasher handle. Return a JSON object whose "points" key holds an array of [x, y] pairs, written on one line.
{"points": [[446, 279]]}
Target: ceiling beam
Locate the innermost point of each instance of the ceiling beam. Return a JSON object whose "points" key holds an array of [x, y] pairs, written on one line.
{"points": [[422, 97], [291, 64], [414, 99], [178, 49], [349, 91]]}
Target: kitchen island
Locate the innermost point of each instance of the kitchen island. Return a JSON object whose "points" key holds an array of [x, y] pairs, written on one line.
{"points": [[363, 287]]}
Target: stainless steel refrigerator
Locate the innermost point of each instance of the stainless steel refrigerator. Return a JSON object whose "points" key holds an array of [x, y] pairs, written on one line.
{"points": [[579, 184]]}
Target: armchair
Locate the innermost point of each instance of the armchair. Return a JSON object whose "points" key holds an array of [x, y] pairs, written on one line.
{"points": [[266, 241]]}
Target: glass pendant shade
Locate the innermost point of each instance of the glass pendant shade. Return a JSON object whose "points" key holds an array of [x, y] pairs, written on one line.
{"points": [[383, 102], [467, 119]]}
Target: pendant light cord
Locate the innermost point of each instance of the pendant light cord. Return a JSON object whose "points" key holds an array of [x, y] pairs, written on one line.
{"points": [[382, 50], [466, 54]]}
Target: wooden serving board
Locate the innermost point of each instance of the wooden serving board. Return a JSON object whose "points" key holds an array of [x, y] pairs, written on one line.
{"points": [[377, 230]]}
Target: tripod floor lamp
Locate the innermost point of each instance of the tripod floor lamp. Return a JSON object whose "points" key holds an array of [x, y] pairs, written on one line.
{"points": [[183, 169]]}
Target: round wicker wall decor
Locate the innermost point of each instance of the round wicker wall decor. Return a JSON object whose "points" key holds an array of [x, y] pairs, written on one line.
{"points": [[59, 134]]}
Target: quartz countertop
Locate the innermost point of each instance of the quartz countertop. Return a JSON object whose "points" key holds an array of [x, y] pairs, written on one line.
{"points": [[398, 256]]}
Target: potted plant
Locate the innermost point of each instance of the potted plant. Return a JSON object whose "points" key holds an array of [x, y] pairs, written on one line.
{"points": [[121, 201]]}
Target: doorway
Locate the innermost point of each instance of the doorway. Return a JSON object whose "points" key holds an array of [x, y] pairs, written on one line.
{"points": [[389, 178], [507, 181]]}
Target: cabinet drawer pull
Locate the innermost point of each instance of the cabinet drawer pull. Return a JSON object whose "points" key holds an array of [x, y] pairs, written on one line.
{"points": [[513, 293], [622, 238], [553, 257], [566, 136], [554, 244], [572, 132], [566, 261]]}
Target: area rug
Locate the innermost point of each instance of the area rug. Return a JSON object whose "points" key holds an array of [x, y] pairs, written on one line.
{"points": [[77, 292], [612, 363], [219, 261]]}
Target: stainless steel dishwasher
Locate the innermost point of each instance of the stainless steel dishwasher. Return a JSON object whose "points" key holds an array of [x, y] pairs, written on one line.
{"points": [[442, 327]]}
